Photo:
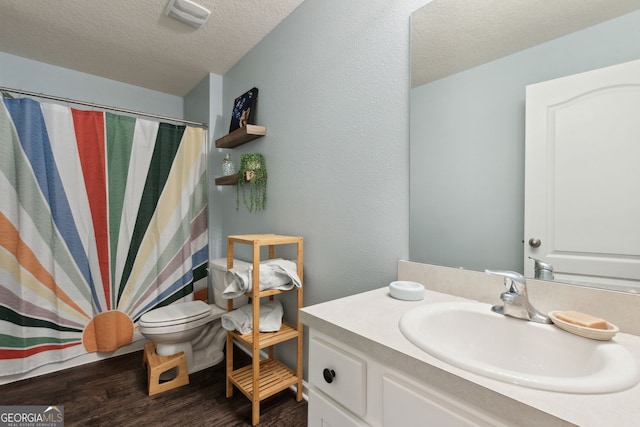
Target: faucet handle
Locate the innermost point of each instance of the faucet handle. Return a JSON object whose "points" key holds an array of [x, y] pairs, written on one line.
{"points": [[513, 281], [539, 264], [543, 270]]}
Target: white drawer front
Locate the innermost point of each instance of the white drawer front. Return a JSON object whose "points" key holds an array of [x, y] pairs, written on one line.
{"points": [[347, 375], [326, 413], [407, 405]]}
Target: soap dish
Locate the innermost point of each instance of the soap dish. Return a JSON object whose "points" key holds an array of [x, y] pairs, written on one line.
{"points": [[583, 331], [406, 290]]}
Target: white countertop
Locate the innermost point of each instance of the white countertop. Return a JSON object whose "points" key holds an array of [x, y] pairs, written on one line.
{"points": [[369, 322]]}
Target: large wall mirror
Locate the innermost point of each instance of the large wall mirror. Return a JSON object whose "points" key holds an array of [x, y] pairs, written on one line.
{"points": [[471, 62]]}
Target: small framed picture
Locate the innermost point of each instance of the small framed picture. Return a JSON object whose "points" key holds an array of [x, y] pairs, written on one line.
{"points": [[244, 110]]}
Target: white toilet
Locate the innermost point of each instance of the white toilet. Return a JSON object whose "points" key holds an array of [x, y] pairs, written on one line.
{"points": [[193, 327]]}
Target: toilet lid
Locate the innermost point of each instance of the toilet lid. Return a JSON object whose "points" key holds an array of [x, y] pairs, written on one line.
{"points": [[173, 314]]}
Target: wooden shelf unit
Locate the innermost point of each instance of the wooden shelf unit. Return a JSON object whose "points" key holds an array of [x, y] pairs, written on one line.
{"points": [[241, 136], [268, 376]]}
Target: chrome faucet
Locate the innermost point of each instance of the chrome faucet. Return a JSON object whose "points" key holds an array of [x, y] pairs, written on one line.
{"points": [[516, 301]]}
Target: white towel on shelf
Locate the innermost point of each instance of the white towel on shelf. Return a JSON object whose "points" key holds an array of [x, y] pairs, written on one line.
{"points": [[271, 313], [274, 274]]}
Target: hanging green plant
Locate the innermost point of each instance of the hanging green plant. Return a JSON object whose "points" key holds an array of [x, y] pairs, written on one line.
{"points": [[254, 173]]}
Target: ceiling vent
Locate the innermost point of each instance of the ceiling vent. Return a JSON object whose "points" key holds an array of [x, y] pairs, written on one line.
{"points": [[187, 12]]}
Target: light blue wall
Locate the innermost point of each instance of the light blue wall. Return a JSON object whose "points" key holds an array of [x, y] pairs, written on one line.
{"points": [[467, 147], [21, 73], [333, 94], [333, 82]]}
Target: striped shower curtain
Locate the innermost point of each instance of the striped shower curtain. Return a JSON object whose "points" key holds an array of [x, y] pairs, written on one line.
{"points": [[102, 218]]}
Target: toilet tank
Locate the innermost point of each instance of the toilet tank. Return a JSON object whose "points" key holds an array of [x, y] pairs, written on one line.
{"points": [[217, 269]]}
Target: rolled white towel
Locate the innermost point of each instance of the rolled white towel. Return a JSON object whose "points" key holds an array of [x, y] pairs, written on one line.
{"points": [[241, 319], [274, 274]]}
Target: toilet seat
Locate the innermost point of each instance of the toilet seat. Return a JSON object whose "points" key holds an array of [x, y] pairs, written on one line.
{"points": [[193, 313]]}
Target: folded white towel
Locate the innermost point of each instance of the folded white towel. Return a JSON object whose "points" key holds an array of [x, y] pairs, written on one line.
{"points": [[271, 313], [274, 274]]}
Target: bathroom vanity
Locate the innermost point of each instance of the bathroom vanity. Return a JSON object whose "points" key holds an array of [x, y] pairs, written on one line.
{"points": [[363, 371]]}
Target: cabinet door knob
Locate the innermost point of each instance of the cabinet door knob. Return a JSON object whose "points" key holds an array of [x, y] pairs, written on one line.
{"points": [[329, 375]]}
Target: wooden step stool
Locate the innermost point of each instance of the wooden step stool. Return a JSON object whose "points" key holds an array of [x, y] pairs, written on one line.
{"points": [[157, 365]]}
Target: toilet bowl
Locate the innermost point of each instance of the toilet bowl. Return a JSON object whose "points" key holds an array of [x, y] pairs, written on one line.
{"points": [[193, 327]]}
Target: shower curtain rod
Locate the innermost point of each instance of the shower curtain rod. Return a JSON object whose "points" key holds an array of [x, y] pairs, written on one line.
{"points": [[102, 107]]}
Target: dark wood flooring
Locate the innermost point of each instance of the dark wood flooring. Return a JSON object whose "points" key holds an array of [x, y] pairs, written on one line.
{"points": [[113, 392]]}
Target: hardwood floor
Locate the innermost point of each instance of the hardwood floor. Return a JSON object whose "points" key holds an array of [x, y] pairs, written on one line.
{"points": [[112, 392]]}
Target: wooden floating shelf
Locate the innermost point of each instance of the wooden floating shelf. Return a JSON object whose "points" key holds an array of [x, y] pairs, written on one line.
{"points": [[241, 136], [227, 180], [231, 179]]}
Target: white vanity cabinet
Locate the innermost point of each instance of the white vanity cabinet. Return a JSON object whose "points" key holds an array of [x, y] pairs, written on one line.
{"points": [[350, 388], [396, 384]]}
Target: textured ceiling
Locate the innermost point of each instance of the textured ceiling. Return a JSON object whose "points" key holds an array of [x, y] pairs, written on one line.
{"points": [[132, 41], [449, 36]]}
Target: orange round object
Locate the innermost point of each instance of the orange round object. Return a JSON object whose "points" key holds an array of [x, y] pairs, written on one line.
{"points": [[108, 331]]}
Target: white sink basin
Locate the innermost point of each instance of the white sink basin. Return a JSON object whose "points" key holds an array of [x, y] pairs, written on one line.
{"points": [[472, 337]]}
